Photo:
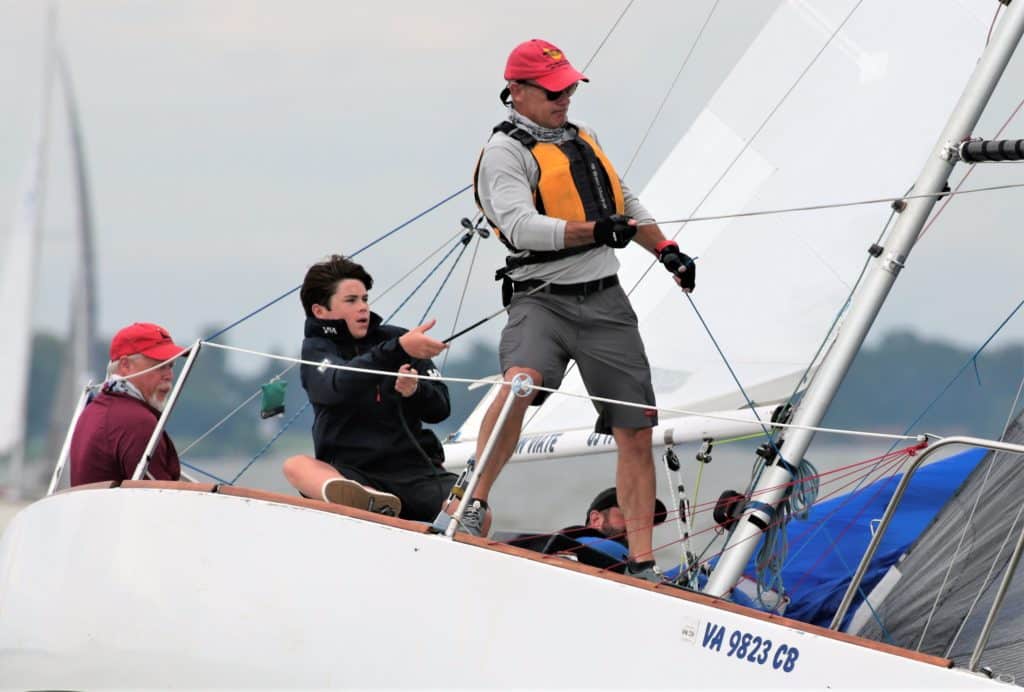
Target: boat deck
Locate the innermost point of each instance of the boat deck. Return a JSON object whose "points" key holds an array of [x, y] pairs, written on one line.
{"points": [[486, 544]]}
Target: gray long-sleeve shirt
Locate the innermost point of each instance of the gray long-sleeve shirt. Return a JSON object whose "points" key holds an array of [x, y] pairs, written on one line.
{"points": [[507, 178]]}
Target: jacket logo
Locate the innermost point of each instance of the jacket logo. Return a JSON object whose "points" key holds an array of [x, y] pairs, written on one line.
{"points": [[434, 372], [329, 330], [323, 366]]}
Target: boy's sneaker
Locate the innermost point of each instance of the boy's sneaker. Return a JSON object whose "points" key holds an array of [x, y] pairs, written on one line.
{"points": [[473, 518], [647, 570], [342, 491]]}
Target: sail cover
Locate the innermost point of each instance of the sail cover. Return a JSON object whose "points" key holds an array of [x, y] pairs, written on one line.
{"points": [[835, 100], [949, 577], [826, 547]]}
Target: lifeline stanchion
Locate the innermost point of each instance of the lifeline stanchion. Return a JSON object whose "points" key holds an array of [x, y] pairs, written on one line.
{"points": [[897, 495], [65, 450], [521, 385], [172, 398]]}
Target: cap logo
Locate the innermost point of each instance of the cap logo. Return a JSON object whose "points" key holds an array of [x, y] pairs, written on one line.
{"points": [[553, 53]]}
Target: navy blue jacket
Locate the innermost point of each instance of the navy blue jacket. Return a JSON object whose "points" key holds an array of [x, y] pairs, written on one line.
{"points": [[357, 421]]}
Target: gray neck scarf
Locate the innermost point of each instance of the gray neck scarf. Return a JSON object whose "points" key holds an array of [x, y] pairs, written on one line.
{"points": [[541, 134], [119, 385]]}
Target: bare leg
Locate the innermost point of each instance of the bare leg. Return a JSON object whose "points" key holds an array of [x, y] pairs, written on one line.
{"points": [[308, 475], [508, 436], [635, 488]]}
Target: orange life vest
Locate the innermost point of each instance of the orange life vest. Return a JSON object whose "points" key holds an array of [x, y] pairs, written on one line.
{"points": [[577, 183]]}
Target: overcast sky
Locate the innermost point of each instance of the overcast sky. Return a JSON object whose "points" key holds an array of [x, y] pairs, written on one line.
{"points": [[231, 144]]}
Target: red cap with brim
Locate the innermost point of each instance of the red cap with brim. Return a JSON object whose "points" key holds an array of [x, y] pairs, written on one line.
{"points": [[542, 63], [150, 340]]}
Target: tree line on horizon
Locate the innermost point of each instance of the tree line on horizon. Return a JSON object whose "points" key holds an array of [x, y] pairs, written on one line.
{"points": [[889, 386]]}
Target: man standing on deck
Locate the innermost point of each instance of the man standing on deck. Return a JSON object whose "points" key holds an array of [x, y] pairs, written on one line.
{"points": [[561, 210], [112, 433]]}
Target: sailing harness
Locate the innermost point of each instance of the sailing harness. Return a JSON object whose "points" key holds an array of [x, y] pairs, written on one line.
{"points": [[577, 182]]}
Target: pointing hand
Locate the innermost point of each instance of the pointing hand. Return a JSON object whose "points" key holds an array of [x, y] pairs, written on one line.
{"points": [[418, 344]]}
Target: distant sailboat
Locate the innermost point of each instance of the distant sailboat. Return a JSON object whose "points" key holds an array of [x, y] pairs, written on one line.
{"points": [[75, 369], [18, 284], [17, 291]]}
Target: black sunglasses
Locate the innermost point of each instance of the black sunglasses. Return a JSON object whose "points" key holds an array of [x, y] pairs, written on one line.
{"points": [[552, 95]]}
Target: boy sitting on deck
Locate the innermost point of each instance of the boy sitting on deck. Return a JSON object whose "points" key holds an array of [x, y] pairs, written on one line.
{"points": [[372, 451]]}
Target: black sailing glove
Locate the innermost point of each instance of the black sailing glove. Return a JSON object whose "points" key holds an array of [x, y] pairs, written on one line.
{"points": [[614, 231], [675, 261]]}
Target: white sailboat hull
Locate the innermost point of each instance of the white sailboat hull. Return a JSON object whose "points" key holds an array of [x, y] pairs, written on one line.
{"points": [[168, 586]]}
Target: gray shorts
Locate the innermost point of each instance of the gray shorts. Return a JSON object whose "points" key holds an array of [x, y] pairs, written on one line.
{"points": [[598, 331]]}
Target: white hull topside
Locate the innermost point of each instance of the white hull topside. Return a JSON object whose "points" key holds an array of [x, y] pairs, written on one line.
{"points": [[181, 585]]}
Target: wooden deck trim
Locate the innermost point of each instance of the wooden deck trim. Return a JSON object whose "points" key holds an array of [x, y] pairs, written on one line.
{"points": [[280, 498], [694, 597], [98, 485], [172, 485], [522, 553]]}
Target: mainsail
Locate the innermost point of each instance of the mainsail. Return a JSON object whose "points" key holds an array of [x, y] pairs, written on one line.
{"points": [[802, 118]]}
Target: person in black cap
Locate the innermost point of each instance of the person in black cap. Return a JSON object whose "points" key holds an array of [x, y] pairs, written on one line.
{"points": [[602, 542], [605, 527]]}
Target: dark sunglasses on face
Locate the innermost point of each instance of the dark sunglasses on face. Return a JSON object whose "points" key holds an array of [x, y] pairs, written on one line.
{"points": [[553, 95]]}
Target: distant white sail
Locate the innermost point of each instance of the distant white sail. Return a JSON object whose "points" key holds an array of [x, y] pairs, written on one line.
{"points": [[18, 264], [75, 369]]}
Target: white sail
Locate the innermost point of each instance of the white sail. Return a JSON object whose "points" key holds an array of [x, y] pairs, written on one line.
{"points": [[855, 126], [75, 369], [18, 264]]}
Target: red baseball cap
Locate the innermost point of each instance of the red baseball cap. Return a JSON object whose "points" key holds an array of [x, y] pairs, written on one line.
{"points": [[150, 340], [543, 63]]}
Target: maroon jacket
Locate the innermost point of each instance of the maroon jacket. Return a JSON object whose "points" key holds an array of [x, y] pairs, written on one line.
{"points": [[111, 436]]}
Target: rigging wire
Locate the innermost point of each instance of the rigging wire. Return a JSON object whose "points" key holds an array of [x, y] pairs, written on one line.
{"points": [[447, 276], [270, 442], [992, 26], [365, 247], [462, 299], [415, 268], [836, 205], [608, 35], [226, 418], [422, 282], [671, 87], [205, 473]]}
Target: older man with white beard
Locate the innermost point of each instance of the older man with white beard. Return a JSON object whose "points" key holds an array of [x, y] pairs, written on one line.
{"points": [[114, 428]]}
